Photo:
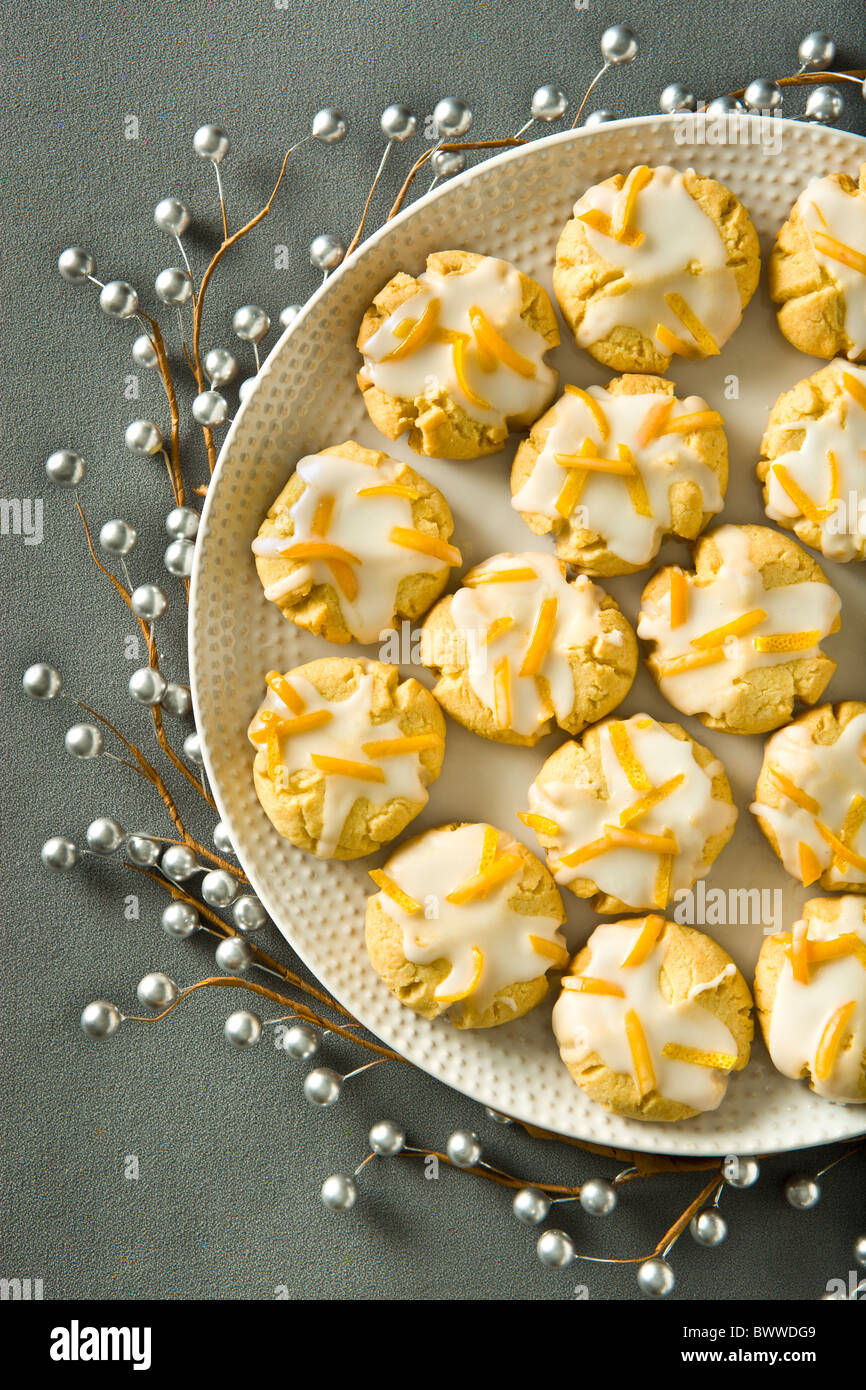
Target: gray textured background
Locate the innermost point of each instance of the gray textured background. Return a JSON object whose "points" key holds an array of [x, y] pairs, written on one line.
{"points": [[230, 1157]]}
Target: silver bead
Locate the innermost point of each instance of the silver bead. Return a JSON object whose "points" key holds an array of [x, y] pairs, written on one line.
{"points": [[326, 251], [143, 851], [234, 955], [724, 106], [220, 366], [192, 749], [530, 1206], [84, 741], [117, 537], [447, 163], [171, 216], [246, 387], [143, 437], [803, 1192], [41, 681], [105, 836], [555, 1249], [398, 122], [148, 602], [301, 1041], [219, 888], [824, 104], [100, 1019], [548, 103], [816, 51], [179, 920], [708, 1227], [655, 1278], [210, 142], [222, 839], [250, 323], [287, 318], [59, 853], [618, 45], [210, 409], [328, 126], [323, 1086], [741, 1172], [451, 117], [598, 1197], [144, 353], [118, 300], [676, 97], [178, 558], [248, 914], [177, 700], [860, 1251], [75, 264], [762, 94], [156, 990], [64, 468], [173, 286], [597, 118], [463, 1148], [147, 685], [497, 1117], [243, 1028], [387, 1138], [178, 863], [182, 523], [339, 1193]]}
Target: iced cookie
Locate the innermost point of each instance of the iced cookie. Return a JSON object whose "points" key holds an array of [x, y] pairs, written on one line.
{"points": [[466, 921], [655, 264], [456, 355], [810, 989], [612, 471], [652, 1019], [631, 814], [345, 752], [739, 640], [520, 648], [814, 461], [817, 270], [354, 542], [810, 800]]}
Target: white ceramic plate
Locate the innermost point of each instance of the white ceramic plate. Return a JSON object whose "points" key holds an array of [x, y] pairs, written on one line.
{"points": [[513, 206]]}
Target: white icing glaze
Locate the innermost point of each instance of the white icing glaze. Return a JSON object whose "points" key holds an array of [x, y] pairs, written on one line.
{"points": [[826, 208], [433, 865], [682, 253], [800, 1012], [605, 498], [735, 589], [495, 287], [595, 1023], [406, 778], [833, 774], [690, 811], [841, 431], [359, 525]]}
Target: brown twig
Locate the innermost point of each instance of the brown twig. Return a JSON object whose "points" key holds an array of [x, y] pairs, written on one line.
{"points": [[174, 468], [512, 142], [807, 78]]}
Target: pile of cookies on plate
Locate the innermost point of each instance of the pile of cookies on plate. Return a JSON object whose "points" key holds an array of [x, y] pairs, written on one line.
{"points": [[651, 1016]]}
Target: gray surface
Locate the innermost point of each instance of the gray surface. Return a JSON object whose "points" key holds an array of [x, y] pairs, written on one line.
{"points": [[230, 1157]]}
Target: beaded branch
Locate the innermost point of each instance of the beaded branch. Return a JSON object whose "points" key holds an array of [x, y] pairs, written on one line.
{"points": [[310, 1013]]}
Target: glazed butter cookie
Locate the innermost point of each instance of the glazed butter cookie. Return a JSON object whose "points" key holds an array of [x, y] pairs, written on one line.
{"points": [[810, 800], [652, 1019], [813, 463], [456, 355], [655, 264], [817, 271], [354, 542], [810, 989], [520, 648], [631, 814], [466, 922], [345, 752], [738, 641], [612, 471]]}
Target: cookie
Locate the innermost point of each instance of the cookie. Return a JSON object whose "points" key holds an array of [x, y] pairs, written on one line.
{"points": [[455, 355], [520, 648], [813, 463], [817, 270], [655, 264], [810, 800], [737, 642], [652, 1019], [631, 814], [345, 752], [810, 989], [355, 542], [613, 470], [466, 922]]}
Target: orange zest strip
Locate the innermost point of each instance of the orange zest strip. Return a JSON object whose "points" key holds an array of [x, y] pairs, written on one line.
{"points": [[542, 824], [285, 692], [426, 545], [833, 464], [389, 490], [488, 848], [839, 251], [646, 803], [345, 578], [811, 867], [697, 420], [624, 208], [322, 518], [800, 952], [301, 724], [504, 576], [640, 1054], [458, 356], [663, 880], [735, 628], [346, 767], [691, 661], [621, 837], [679, 598], [541, 637], [679, 1052], [626, 757], [649, 933], [854, 817], [795, 793], [396, 747], [707, 344], [479, 885], [788, 641], [848, 944], [270, 726], [586, 984], [593, 406], [854, 386], [415, 337], [634, 482], [840, 850], [655, 422], [591, 850], [497, 627], [570, 493], [502, 692], [394, 891], [594, 464], [274, 760], [552, 950], [600, 222], [494, 343], [318, 550], [831, 1040], [810, 510], [674, 345], [478, 967]]}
